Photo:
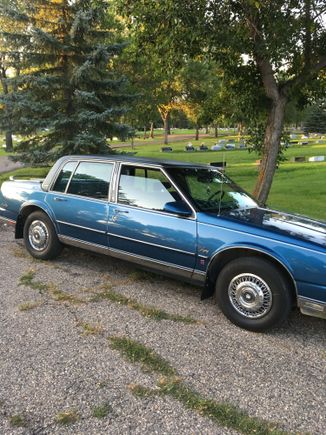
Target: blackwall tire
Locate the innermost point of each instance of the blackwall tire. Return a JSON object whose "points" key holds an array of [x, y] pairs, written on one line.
{"points": [[253, 293], [40, 237]]}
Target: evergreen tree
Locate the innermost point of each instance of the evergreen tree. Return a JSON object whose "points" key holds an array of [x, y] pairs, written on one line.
{"points": [[68, 99], [315, 121]]}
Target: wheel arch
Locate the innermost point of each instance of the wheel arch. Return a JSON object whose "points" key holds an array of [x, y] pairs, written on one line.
{"points": [[224, 256], [24, 212]]}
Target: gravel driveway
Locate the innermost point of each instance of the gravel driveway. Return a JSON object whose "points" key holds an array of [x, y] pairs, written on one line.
{"points": [[60, 375]]}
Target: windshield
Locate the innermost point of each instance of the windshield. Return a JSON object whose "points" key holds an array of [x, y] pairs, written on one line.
{"points": [[210, 190]]}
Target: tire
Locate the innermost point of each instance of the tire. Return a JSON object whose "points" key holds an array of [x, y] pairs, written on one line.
{"points": [[40, 237], [253, 294]]}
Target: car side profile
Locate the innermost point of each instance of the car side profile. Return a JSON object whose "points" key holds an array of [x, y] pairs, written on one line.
{"points": [[184, 220]]}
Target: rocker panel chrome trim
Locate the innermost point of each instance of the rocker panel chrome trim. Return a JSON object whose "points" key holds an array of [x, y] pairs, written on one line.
{"points": [[138, 259], [312, 307]]}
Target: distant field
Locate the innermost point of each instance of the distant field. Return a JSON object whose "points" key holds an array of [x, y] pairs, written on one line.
{"points": [[297, 187]]}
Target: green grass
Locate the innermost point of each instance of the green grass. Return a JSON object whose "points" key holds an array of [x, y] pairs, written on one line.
{"points": [[222, 413], [25, 173], [27, 279], [67, 417], [146, 311], [102, 411], [17, 421], [297, 187], [136, 352]]}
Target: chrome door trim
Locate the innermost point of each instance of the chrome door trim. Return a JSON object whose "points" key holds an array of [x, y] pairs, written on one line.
{"points": [[80, 226], [152, 244]]}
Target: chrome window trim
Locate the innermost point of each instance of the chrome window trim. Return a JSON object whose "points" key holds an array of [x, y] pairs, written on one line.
{"points": [[153, 166], [80, 226], [261, 237], [78, 161], [257, 250], [56, 175], [152, 244]]}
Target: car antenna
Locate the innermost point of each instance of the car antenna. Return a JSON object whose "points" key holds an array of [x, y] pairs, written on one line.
{"points": [[221, 190]]}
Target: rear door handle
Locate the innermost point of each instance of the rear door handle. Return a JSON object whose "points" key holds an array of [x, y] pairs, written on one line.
{"points": [[58, 199]]}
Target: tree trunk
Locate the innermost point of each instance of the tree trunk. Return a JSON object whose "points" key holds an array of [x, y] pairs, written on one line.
{"points": [[270, 149], [152, 130], [206, 129], [197, 132], [216, 131], [166, 128], [9, 143], [145, 132], [169, 124]]}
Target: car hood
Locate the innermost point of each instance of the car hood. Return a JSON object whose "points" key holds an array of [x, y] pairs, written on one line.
{"points": [[298, 227]]}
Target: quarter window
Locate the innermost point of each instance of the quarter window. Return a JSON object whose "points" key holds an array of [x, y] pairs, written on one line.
{"points": [[91, 180], [64, 177], [145, 188]]}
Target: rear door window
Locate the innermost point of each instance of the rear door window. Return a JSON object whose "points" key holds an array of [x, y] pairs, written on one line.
{"points": [[92, 180]]}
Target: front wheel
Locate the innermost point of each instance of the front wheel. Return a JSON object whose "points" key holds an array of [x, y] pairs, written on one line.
{"points": [[253, 293], [40, 237]]}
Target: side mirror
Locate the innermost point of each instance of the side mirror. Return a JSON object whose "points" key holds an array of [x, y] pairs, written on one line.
{"points": [[178, 207]]}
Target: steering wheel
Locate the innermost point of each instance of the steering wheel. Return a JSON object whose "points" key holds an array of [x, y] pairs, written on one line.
{"points": [[218, 192]]}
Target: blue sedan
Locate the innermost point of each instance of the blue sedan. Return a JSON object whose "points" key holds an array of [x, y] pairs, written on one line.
{"points": [[185, 220]]}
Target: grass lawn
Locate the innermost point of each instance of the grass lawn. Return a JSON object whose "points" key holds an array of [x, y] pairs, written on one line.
{"points": [[297, 187]]}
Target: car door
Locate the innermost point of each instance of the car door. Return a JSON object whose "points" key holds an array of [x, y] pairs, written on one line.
{"points": [[139, 227], [79, 201]]}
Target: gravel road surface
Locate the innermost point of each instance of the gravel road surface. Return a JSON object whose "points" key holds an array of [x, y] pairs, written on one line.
{"points": [[51, 362]]}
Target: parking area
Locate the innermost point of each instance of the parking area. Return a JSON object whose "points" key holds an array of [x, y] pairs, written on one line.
{"points": [[61, 370]]}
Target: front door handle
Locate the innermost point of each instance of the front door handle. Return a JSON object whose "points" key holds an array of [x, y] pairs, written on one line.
{"points": [[121, 211], [58, 199]]}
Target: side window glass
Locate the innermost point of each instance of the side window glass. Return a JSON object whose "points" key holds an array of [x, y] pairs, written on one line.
{"points": [[64, 177], [91, 180], [145, 188]]}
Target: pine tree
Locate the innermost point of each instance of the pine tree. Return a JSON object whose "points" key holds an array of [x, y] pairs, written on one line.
{"points": [[68, 99], [315, 121]]}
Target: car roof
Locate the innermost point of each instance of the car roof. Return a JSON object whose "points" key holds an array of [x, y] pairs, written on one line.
{"points": [[127, 158], [118, 158]]}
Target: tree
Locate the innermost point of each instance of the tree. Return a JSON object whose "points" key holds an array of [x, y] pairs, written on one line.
{"points": [[315, 121], [9, 65], [68, 99], [279, 43]]}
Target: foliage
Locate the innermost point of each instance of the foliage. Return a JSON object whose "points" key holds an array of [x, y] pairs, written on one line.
{"points": [[315, 121], [68, 98], [269, 52]]}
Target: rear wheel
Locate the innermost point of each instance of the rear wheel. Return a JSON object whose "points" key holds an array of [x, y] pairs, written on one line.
{"points": [[253, 293], [40, 237]]}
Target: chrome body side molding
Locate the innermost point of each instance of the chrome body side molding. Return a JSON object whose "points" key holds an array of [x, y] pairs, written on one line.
{"points": [[195, 276], [311, 307]]}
